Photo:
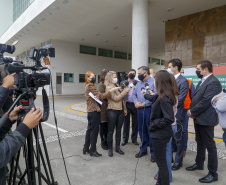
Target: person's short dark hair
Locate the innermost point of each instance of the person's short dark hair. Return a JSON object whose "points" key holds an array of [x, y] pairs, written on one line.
{"points": [[145, 69], [206, 63], [132, 70], [103, 74], [176, 62]]}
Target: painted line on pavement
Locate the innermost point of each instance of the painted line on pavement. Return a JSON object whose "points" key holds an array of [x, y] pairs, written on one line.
{"points": [[67, 108], [60, 129]]}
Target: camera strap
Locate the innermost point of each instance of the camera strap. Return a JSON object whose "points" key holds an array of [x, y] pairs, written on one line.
{"points": [[45, 101]]}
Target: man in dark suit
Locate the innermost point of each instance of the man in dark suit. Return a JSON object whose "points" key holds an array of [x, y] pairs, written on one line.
{"points": [[131, 110], [205, 119], [174, 67]]}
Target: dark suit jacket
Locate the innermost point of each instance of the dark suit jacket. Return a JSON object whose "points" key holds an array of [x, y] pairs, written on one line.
{"points": [[201, 107], [183, 86], [162, 116]]}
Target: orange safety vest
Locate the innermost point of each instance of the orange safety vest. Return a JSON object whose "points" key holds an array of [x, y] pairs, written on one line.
{"points": [[187, 101]]}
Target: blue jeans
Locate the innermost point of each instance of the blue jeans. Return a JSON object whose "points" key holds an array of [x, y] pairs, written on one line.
{"points": [[169, 159], [143, 117], [224, 138]]}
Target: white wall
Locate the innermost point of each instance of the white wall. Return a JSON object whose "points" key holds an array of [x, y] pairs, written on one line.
{"points": [[6, 12], [69, 60]]}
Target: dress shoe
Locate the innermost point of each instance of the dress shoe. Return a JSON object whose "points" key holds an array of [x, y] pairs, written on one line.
{"points": [[176, 166], [85, 151], [95, 154], [209, 178], [136, 143], [140, 154], [110, 152], [124, 143], [118, 150], [104, 146], [152, 159], [194, 167]]}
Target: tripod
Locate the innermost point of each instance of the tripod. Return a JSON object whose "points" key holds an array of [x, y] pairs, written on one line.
{"points": [[34, 155]]}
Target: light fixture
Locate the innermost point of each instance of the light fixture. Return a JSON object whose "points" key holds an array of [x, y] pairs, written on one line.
{"points": [[97, 34], [115, 28], [169, 9], [47, 13], [123, 35], [106, 41]]}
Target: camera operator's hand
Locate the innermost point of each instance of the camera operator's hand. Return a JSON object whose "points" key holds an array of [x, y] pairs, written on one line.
{"points": [[32, 118], [8, 81], [13, 115]]}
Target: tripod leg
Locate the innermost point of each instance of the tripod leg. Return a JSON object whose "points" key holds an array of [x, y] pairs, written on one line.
{"points": [[16, 167], [31, 169], [46, 152]]}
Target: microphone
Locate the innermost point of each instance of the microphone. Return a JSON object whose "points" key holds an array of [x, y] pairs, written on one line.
{"points": [[143, 90], [124, 84], [147, 86], [133, 84]]}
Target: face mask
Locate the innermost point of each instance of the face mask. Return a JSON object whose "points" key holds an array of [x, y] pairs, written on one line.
{"points": [[115, 80], [198, 73], [93, 80], [170, 71], [131, 76], [182, 74], [141, 77]]}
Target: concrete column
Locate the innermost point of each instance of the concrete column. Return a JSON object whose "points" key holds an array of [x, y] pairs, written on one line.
{"points": [[140, 34]]}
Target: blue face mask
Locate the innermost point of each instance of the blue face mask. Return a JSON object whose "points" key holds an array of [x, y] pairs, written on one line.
{"points": [[182, 74]]}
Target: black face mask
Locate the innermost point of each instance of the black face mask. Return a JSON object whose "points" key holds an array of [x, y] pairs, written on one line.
{"points": [[131, 76], [93, 80], [198, 73], [141, 77]]}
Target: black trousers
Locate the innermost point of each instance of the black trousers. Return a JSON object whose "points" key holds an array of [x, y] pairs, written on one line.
{"points": [[92, 131], [159, 146], [103, 131], [115, 120], [204, 138], [131, 110]]}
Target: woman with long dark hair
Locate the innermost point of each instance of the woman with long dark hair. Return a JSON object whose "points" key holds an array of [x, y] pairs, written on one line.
{"points": [[103, 118], [162, 116], [93, 110], [116, 112]]}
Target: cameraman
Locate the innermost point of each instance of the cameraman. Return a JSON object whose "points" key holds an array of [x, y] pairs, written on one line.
{"points": [[11, 144]]}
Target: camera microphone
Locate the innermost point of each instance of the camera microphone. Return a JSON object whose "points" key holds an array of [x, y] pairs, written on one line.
{"points": [[133, 84], [143, 90], [147, 86], [124, 84]]}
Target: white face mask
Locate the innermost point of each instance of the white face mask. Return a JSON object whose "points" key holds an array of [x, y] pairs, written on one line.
{"points": [[169, 70], [115, 80]]}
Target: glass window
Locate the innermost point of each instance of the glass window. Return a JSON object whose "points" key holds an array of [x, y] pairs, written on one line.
{"points": [[130, 56], [81, 78], [68, 77], [163, 62], [87, 50], [105, 52], [120, 55], [155, 61]]}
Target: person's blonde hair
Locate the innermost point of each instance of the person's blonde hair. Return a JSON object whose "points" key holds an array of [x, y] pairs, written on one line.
{"points": [[108, 78]]}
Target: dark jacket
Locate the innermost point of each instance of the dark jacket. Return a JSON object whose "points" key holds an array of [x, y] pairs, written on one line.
{"points": [[9, 146], [183, 86], [201, 107], [162, 116]]}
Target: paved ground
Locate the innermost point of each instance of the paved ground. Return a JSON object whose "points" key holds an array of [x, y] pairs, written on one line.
{"points": [[118, 170]]}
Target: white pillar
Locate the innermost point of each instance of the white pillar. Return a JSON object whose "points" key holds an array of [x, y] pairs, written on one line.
{"points": [[140, 34]]}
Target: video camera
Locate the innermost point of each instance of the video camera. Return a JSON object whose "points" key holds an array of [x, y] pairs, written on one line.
{"points": [[23, 80]]}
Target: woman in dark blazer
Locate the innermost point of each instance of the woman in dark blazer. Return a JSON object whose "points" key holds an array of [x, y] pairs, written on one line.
{"points": [[162, 116]]}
